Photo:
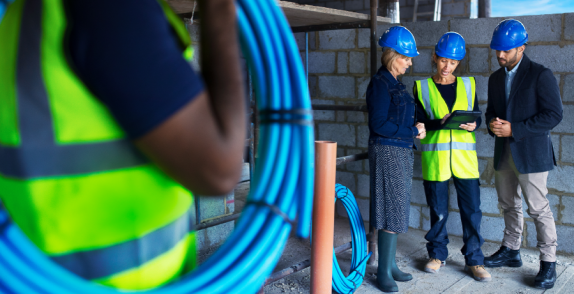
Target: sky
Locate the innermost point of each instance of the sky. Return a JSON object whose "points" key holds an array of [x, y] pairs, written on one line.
{"points": [[530, 7]]}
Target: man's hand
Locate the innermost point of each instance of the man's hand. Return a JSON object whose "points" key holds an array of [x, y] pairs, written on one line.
{"points": [[469, 126], [501, 128], [422, 131]]}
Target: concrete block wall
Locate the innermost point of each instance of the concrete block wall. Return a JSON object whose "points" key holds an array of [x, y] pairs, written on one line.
{"points": [[451, 9], [340, 74]]}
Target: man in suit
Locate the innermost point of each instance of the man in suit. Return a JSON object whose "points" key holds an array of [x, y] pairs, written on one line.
{"points": [[524, 104]]}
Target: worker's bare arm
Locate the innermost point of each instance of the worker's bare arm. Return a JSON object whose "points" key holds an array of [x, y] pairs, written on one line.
{"points": [[201, 146]]}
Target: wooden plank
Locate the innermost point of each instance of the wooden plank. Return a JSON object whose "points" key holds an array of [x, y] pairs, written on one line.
{"points": [[306, 15], [297, 14]]}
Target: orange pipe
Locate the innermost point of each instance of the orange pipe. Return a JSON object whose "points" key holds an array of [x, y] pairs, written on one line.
{"points": [[323, 217]]}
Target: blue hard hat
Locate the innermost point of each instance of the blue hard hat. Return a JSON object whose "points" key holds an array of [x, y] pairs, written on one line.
{"points": [[451, 45], [401, 40], [509, 34]]}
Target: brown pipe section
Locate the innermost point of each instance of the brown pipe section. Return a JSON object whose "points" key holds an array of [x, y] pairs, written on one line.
{"points": [[323, 217]]}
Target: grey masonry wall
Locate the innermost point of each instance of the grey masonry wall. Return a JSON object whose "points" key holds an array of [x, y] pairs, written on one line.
{"points": [[451, 9], [339, 74]]}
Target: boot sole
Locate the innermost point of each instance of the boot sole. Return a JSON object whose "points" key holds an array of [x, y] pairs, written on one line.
{"points": [[477, 278], [508, 264], [433, 271], [548, 286]]}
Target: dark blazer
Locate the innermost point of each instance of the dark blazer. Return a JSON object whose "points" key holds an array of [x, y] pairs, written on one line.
{"points": [[534, 108]]}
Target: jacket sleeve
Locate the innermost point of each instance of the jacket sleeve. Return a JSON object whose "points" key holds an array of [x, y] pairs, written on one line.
{"points": [[550, 105], [378, 102], [490, 112]]}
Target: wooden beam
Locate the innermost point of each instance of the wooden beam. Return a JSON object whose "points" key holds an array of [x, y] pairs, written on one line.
{"points": [[297, 14]]}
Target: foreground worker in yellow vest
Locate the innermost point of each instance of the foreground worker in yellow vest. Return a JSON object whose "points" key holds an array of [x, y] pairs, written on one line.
{"points": [[105, 129], [450, 154]]}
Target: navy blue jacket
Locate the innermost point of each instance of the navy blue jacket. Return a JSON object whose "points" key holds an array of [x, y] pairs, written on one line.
{"points": [[391, 111], [534, 108]]}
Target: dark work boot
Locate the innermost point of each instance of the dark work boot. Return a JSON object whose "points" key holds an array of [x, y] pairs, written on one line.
{"points": [[546, 276], [398, 275], [504, 257], [385, 279]]}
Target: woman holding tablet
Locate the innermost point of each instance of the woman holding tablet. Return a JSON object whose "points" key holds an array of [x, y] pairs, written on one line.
{"points": [[392, 130], [450, 153]]}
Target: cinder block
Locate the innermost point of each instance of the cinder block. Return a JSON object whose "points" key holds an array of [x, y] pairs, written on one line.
{"points": [[365, 35], [454, 225], [557, 58], [342, 62], [475, 31], [556, 145], [554, 206], [565, 239], [312, 86], [565, 126], [321, 62], [193, 32], [343, 134], [494, 66], [568, 210], [300, 39], [568, 91], [530, 229], [560, 178], [346, 179], [336, 87], [453, 8], [542, 28], [355, 166], [364, 186], [484, 144], [211, 206], [338, 39], [567, 152], [418, 193], [417, 166], [323, 115], [492, 228], [409, 81], [427, 33], [423, 62], [425, 214], [415, 217], [340, 210], [569, 26], [489, 200], [214, 236], [478, 59], [363, 83], [335, 4], [353, 5], [363, 136], [379, 55], [357, 62], [356, 116], [486, 172]]}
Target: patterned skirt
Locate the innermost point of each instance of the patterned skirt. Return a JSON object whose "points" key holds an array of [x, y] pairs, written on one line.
{"points": [[391, 184]]}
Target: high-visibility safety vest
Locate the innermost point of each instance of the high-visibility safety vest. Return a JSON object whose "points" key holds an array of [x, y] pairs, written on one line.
{"points": [[448, 152], [69, 177]]}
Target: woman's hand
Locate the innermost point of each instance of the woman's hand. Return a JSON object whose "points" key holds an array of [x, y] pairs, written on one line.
{"points": [[444, 119], [469, 127], [422, 131]]}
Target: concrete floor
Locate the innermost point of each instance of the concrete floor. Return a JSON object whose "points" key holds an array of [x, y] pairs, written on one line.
{"points": [[412, 256]]}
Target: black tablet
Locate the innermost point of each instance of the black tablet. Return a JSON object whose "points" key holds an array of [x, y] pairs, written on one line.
{"points": [[459, 117]]}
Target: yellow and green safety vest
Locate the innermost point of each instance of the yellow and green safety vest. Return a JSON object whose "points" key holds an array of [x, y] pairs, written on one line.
{"points": [[69, 177], [448, 152]]}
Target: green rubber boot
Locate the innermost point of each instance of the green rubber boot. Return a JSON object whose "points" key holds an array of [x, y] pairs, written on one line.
{"points": [[398, 275], [387, 252]]}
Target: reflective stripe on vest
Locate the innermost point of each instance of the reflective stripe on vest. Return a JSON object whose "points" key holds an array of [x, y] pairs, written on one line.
{"points": [[104, 262], [447, 152], [77, 187], [448, 146]]}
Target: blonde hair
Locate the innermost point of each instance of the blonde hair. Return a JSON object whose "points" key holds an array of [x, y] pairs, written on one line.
{"points": [[389, 57]]}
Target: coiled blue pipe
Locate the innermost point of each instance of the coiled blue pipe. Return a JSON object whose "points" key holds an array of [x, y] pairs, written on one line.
{"points": [[283, 178], [351, 283], [3, 5]]}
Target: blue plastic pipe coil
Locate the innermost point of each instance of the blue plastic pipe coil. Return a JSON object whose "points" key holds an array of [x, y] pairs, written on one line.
{"points": [[281, 188], [351, 283]]}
